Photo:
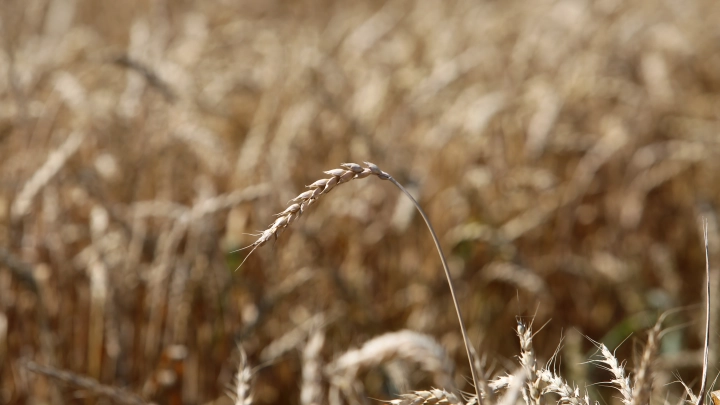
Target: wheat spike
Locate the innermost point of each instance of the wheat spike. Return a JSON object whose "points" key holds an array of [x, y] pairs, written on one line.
{"points": [[568, 395], [531, 391], [622, 382], [241, 392], [300, 203], [642, 384]]}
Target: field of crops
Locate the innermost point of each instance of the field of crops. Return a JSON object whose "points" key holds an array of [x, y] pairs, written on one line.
{"points": [[564, 150]]}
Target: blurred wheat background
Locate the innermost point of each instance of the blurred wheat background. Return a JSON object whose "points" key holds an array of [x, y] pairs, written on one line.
{"points": [[564, 150]]}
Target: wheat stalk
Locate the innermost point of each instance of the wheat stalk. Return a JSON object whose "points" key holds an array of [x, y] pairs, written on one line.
{"points": [[311, 389], [484, 389], [55, 161], [642, 382], [351, 171], [706, 346], [116, 394], [431, 397]]}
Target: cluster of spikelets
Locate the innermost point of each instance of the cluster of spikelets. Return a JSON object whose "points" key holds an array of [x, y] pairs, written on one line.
{"points": [[349, 171], [535, 384], [528, 384]]}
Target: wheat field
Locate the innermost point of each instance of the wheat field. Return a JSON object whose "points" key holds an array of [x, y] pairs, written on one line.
{"points": [[564, 150]]}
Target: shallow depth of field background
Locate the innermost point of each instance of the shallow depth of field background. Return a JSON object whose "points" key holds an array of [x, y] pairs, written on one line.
{"points": [[564, 150]]}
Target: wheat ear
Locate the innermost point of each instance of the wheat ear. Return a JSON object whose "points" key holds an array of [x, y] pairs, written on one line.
{"points": [[531, 391], [351, 171], [642, 384], [241, 392], [609, 362], [568, 395]]}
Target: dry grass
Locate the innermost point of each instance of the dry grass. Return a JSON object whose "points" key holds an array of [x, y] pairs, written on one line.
{"points": [[406, 346], [564, 150], [427, 397], [311, 392], [117, 395], [643, 380]]}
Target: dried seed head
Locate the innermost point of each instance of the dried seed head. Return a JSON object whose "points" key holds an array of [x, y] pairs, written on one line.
{"points": [[348, 172]]}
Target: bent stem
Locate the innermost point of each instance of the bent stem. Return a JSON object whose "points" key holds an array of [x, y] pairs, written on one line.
{"points": [[706, 347], [466, 339]]}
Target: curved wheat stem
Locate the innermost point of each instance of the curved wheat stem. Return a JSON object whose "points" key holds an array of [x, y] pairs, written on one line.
{"points": [[351, 171], [706, 346]]}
